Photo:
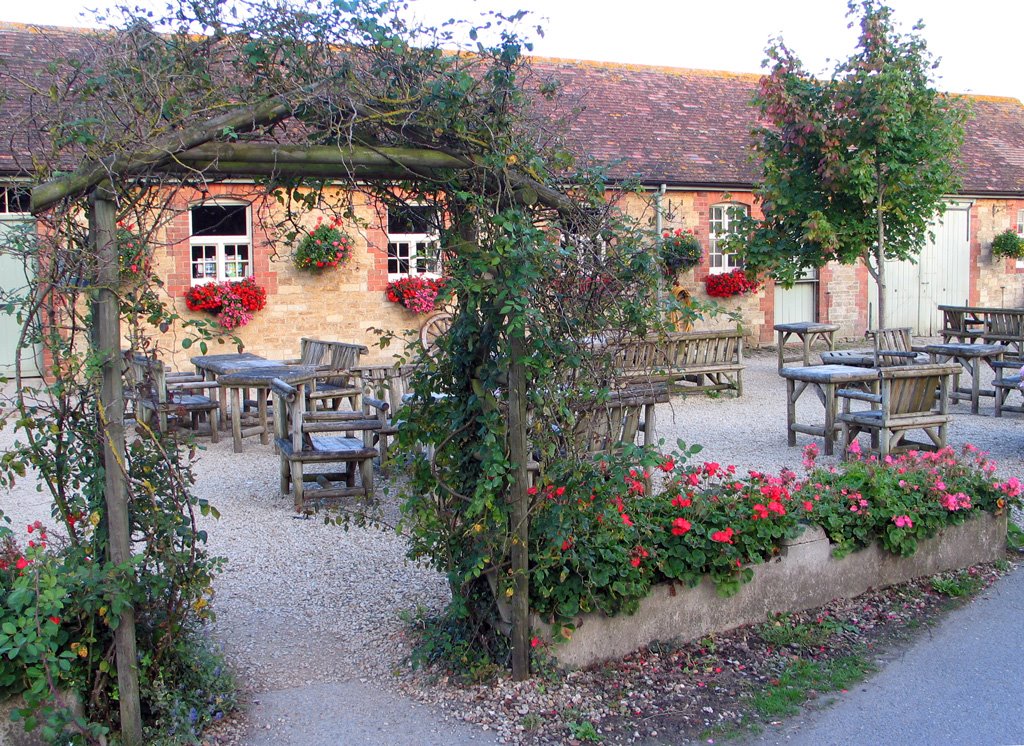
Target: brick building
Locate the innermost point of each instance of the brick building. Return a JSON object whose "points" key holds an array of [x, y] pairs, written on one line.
{"points": [[684, 134]]}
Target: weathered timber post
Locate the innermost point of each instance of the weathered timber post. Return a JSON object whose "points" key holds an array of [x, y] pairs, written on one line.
{"points": [[517, 436], [106, 341]]}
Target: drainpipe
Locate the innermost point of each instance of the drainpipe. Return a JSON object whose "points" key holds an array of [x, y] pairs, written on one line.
{"points": [[659, 227]]}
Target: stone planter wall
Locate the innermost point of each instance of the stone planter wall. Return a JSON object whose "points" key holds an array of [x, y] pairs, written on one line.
{"points": [[803, 576]]}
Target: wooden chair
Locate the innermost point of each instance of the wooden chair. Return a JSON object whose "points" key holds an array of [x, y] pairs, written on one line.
{"points": [[321, 437], [1006, 381], [338, 383], [154, 390], [384, 390], [894, 347], [913, 397]]}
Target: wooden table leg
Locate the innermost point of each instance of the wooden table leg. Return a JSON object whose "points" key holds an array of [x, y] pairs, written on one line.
{"points": [[782, 344], [975, 385], [261, 409], [828, 390], [791, 398], [806, 340], [236, 418]]}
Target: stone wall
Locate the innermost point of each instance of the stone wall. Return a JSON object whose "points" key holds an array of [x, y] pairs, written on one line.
{"points": [[996, 281]]}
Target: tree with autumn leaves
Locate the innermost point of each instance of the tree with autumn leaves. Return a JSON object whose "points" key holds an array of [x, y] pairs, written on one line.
{"points": [[854, 167]]}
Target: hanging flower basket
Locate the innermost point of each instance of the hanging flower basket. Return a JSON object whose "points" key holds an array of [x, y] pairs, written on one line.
{"points": [[325, 247], [418, 294], [233, 303], [729, 284], [680, 250], [1008, 243]]}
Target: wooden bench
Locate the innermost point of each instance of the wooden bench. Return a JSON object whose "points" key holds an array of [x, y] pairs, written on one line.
{"points": [[686, 361], [976, 324], [603, 427], [321, 437]]}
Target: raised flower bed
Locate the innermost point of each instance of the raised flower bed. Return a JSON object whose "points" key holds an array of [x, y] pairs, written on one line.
{"points": [[617, 565]]}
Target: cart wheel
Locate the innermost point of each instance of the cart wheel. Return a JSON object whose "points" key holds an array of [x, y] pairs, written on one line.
{"points": [[433, 328]]}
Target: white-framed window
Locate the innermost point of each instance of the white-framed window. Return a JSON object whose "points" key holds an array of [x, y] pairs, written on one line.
{"points": [[220, 241], [414, 247], [723, 222], [14, 200]]}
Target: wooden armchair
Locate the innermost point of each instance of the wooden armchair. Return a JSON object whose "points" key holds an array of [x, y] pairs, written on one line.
{"points": [[154, 390], [384, 390], [338, 382], [914, 397], [321, 437], [894, 347]]}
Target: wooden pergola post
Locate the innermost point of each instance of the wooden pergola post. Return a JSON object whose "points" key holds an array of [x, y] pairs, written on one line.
{"points": [[106, 342]]}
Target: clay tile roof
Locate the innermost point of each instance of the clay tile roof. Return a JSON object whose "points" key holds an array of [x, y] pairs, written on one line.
{"points": [[661, 125]]}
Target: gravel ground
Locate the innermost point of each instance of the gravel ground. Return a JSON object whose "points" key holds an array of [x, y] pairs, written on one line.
{"points": [[302, 605]]}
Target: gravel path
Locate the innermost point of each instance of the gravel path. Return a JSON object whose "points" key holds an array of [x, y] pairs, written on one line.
{"points": [[308, 613]]}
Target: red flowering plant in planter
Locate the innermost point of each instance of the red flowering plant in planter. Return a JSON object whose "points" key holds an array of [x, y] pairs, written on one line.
{"points": [[729, 283], [418, 294], [326, 246], [233, 303]]}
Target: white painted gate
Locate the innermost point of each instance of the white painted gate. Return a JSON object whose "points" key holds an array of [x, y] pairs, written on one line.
{"points": [[940, 275], [12, 278]]}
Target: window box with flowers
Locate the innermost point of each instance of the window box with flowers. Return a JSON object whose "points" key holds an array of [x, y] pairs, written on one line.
{"points": [[729, 284], [233, 303], [680, 250], [416, 293], [326, 246]]}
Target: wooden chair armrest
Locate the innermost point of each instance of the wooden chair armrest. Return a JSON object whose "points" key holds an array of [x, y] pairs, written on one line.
{"points": [[191, 385], [378, 404], [859, 395], [339, 425], [918, 348], [897, 353], [283, 389], [1016, 364]]}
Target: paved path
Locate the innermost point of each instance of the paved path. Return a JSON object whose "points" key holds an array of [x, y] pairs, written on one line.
{"points": [[959, 684], [355, 714]]}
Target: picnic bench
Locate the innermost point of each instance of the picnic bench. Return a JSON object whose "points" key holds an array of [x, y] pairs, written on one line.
{"points": [[685, 361], [974, 324]]}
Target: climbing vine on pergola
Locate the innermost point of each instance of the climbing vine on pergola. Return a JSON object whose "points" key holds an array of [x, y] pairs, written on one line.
{"points": [[351, 99]]}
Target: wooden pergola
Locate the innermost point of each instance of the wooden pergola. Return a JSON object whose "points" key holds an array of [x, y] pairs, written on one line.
{"points": [[197, 150]]}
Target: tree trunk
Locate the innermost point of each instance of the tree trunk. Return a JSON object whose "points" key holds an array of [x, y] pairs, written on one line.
{"points": [[517, 435], [880, 259], [106, 339]]}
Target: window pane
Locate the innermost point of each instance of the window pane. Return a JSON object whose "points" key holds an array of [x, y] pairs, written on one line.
{"points": [[220, 220], [204, 262], [236, 261], [411, 219]]}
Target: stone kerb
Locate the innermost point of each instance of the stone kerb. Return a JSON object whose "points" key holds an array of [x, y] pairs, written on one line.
{"points": [[803, 576]]}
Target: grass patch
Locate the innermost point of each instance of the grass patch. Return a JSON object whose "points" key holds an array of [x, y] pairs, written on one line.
{"points": [[782, 630], [958, 585], [801, 677]]}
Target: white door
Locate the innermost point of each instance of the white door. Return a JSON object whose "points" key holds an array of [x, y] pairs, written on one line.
{"points": [[941, 275], [798, 303], [13, 280]]}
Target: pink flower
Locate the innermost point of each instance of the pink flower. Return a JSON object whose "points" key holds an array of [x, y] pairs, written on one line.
{"points": [[854, 448], [902, 521]]}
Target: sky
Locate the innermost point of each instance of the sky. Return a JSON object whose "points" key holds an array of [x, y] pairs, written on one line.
{"points": [[978, 42]]}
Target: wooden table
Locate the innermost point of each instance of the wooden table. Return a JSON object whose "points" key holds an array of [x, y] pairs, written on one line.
{"points": [[823, 380], [259, 378], [970, 357], [213, 366], [807, 332]]}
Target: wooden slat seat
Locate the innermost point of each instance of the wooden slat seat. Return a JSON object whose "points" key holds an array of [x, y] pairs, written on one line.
{"points": [[909, 398], [686, 361]]}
